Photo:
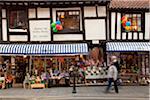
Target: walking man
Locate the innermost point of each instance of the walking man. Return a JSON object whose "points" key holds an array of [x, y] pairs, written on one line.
{"points": [[112, 75]]}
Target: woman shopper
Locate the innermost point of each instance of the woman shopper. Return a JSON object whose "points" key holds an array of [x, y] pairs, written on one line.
{"points": [[112, 75]]}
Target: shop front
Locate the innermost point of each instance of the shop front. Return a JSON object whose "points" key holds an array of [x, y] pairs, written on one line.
{"points": [[95, 65], [134, 61], [38, 59], [57, 60]]}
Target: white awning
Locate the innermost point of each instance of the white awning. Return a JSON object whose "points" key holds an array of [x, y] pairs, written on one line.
{"points": [[41, 49], [128, 46]]}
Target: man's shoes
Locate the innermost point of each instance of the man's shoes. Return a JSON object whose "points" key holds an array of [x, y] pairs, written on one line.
{"points": [[117, 92]]}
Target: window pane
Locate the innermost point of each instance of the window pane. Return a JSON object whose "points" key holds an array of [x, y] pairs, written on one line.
{"points": [[13, 19], [70, 20], [18, 19], [135, 20], [127, 15], [139, 15], [134, 15], [139, 22]]}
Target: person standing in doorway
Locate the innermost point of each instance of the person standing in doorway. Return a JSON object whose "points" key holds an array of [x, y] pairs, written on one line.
{"points": [[112, 75]]}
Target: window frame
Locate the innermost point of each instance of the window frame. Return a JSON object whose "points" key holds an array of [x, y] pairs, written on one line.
{"points": [[11, 30], [142, 21], [67, 32]]}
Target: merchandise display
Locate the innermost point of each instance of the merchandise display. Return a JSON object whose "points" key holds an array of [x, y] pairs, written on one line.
{"points": [[96, 72], [134, 68], [49, 71]]}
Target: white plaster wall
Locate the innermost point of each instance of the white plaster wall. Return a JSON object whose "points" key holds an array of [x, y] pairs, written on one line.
{"points": [[68, 37], [147, 25], [90, 11], [3, 13], [101, 11], [76, 8], [32, 13], [118, 25], [141, 36], [95, 41], [135, 36], [130, 35], [4, 29], [95, 29], [18, 37], [124, 35], [113, 25], [43, 12]]}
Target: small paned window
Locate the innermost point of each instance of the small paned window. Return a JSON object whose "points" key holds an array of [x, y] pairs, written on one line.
{"points": [[70, 20], [133, 22], [18, 19]]}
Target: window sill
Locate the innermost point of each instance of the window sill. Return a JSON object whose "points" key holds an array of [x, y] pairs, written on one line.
{"points": [[78, 32], [132, 31], [17, 30]]}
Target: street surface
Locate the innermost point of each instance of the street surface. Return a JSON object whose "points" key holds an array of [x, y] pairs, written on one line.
{"points": [[83, 93]]}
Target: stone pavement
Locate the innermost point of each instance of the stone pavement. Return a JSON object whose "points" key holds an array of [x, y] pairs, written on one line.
{"points": [[83, 93]]}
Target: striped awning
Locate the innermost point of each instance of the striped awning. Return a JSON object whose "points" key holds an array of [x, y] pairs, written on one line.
{"points": [[40, 49], [128, 46]]}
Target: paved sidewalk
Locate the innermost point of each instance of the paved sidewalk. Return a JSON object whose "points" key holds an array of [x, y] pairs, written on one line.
{"points": [[86, 93]]}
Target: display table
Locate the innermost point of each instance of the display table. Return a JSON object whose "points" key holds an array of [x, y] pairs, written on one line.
{"points": [[37, 85]]}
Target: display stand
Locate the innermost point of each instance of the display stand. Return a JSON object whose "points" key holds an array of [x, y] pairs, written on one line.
{"points": [[37, 85]]}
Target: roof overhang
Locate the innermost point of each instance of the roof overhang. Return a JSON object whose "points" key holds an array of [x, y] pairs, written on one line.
{"points": [[129, 5], [51, 2]]}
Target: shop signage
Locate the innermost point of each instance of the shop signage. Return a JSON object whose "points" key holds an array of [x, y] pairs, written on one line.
{"points": [[40, 30]]}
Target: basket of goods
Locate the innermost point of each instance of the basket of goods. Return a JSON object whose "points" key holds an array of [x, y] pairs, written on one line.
{"points": [[1, 81], [143, 81], [38, 80], [135, 69], [32, 82]]}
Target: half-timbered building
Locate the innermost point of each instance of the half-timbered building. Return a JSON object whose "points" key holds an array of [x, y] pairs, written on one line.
{"points": [[29, 37], [130, 42]]}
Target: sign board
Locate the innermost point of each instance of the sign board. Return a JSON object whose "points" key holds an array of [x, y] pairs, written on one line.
{"points": [[40, 30]]}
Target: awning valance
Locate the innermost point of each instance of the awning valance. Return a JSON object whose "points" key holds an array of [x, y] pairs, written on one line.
{"points": [[128, 46], [40, 49]]}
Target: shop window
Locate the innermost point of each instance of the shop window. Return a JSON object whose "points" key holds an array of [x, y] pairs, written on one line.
{"points": [[135, 23], [70, 20], [0, 27], [17, 19], [134, 67]]}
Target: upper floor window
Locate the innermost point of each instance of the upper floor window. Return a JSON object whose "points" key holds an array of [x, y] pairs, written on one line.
{"points": [[17, 19], [133, 22], [70, 20]]}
